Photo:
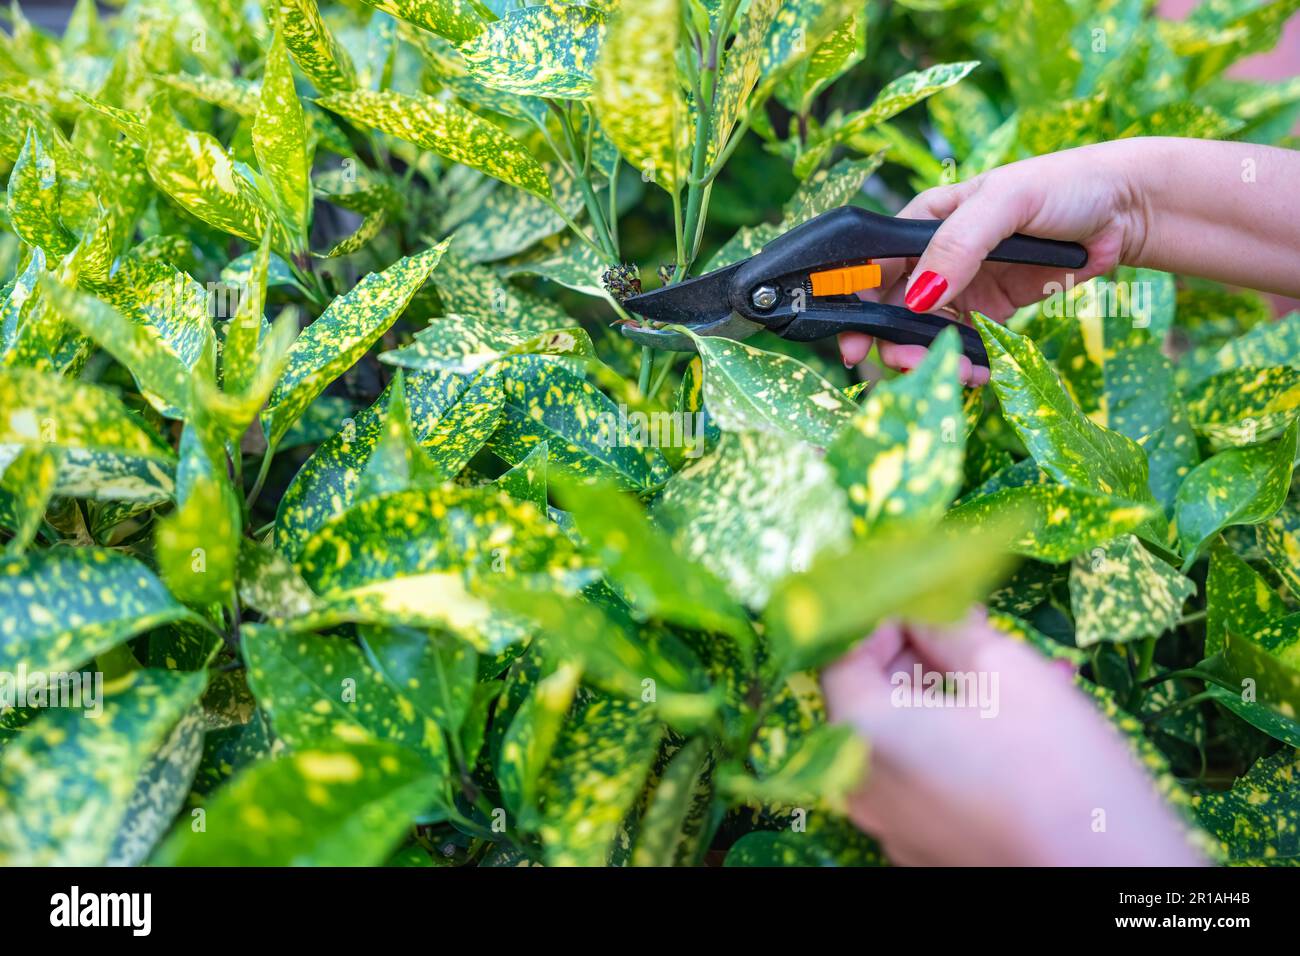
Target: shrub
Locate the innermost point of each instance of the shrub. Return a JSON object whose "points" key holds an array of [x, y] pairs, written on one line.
{"points": [[434, 567]]}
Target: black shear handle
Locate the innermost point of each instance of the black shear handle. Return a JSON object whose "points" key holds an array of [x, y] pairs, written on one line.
{"points": [[891, 323], [849, 235]]}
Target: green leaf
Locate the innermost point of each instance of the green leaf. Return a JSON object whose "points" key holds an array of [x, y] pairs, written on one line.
{"points": [[546, 50], [444, 128], [270, 584], [526, 481], [197, 546], [597, 769], [53, 812], [397, 462], [454, 19], [674, 826], [318, 54], [451, 416], [34, 199], [740, 71], [530, 738], [335, 804], [378, 562], [160, 792], [1240, 601], [638, 97], [661, 583], [1258, 820], [60, 608], [280, 144], [827, 766], [1266, 345], [1279, 541], [754, 510], [828, 841], [1245, 405], [933, 577], [436, 672], [341, 335], [900, 458], [321, 689], [1063, 440], [465, 344], [1061, 522], [193, 169], [26, 485], [747, 389], [897, 96], [1120, 593], [1237, 486], [588, 436]]}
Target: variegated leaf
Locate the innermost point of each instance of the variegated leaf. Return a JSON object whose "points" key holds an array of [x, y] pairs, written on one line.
{"points": [[465, 344], [55, 813], [26, 485], [341, 335], [332, 804], [34, 199], [827, 765], [1061, 522], [1279, 541], [742, 64], [1238, 486], [318, 54], [457, 20], [638, 96], [446, 129], [900, 457], [546, 50], [280, 144], [1258, 820], [1120, 592], [1245, 405], [531, 737]]}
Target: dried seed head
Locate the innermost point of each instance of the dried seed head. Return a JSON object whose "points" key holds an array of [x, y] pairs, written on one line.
{"points": [[666, 272], [621, 281]]}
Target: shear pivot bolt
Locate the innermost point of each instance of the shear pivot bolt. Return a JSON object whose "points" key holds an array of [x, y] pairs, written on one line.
{"points": [[765, 297]]}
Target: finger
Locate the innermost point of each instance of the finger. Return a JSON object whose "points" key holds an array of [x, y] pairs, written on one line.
{"points": [[902, 357], [854, 347], [954, 647], [857, 682], [936, 203], [957, 249]]}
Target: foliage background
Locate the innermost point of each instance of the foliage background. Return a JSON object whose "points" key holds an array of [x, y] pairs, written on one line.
{"points": [[414, 631]]}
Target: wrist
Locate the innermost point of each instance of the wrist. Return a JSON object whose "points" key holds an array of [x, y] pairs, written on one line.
{"points": [[1134, 172]]}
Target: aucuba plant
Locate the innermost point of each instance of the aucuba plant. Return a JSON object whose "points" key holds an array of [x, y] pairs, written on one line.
{"points": [[342, 526]]}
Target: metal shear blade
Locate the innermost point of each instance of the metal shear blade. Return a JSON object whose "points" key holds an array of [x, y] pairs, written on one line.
{"points": [[703, 304]]}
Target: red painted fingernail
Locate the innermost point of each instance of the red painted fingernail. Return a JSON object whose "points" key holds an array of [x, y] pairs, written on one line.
{"points": [[925, 291]]}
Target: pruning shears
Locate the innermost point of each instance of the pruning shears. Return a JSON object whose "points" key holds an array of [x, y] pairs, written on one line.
{"points": [[801, 286]]}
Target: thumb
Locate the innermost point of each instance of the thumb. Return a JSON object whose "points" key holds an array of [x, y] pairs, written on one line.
{"points": [[957, 249]]}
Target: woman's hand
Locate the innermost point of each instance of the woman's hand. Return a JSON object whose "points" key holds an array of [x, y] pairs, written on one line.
{"points": [[1219, 210], [1083, 195], [1028, 773]]}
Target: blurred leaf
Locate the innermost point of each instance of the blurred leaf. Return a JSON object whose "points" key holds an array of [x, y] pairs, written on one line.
{"points": [[531, 737], [1258, 820]]}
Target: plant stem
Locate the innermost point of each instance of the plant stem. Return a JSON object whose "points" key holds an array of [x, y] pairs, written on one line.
{"points": [[1193, 617], [1191, 672], [1193, 701], [262, 472], [663, 374], [647, 363], [1146, 656]]}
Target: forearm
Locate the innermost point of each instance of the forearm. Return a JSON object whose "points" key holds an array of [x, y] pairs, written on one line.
{"points": [[1223, 211]]}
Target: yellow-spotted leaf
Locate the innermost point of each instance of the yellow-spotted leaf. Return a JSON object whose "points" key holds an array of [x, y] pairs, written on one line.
{"points": [[828, 840], [900, 457], [193, 169], [1061, 522], [661, 583], [598, 767], [280, 144], [26, 484], [638, 96], [341, 335], [398, 462], [934, 576], [197, 546], [741, 66], [828, 765], [320, 689], [589, 437], [755, 509], [55, 813], [675, 824], [1238, 486], [526, 481], [747, 389], [1120, 592], [105, 450], [546, 50], [452, 417], [1257, 821], [1245, 406], [447, 129], [466, 343], [316, 51], [336, 803], [63, 607], [1279, 541], [34, 199], [457, 20], [531, 737], [269, 583], [897, 96], [1062, 439]]}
